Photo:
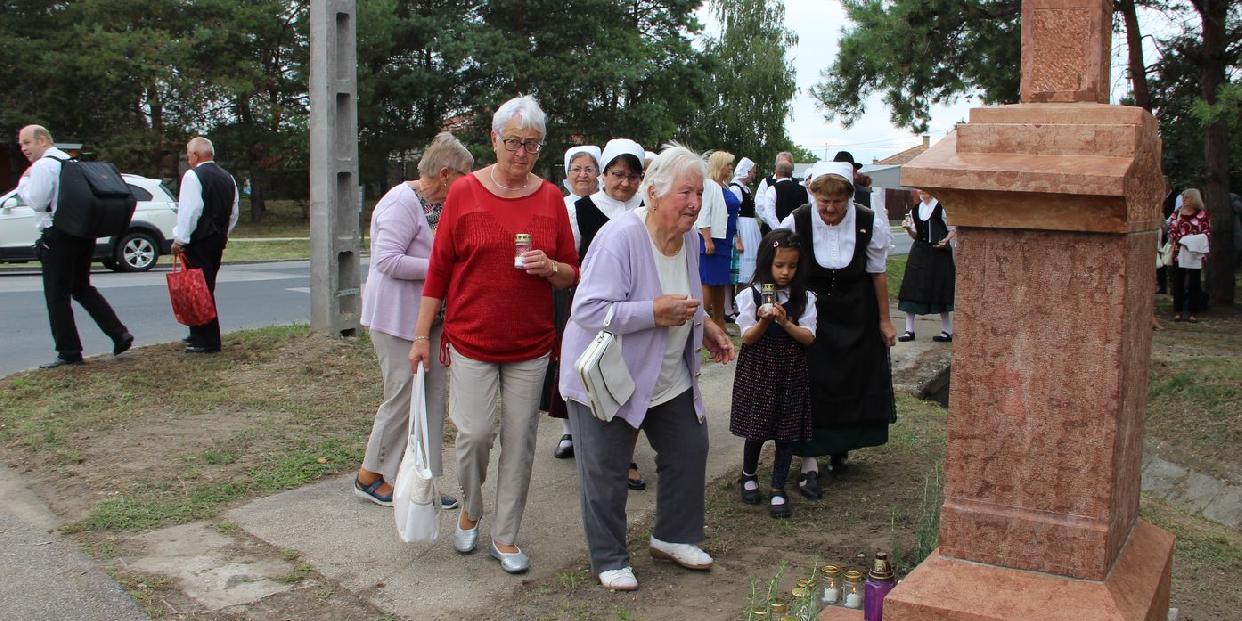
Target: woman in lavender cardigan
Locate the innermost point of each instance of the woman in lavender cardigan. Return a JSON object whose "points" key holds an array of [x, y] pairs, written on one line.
{"points": [[402, 228], [644, 265]]}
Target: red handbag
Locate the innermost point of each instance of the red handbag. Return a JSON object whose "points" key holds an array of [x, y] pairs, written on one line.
{"points": [[187, 290]]}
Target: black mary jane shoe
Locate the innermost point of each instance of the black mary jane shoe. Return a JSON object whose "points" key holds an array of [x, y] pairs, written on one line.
{"points": [[782, 510], [750, 496], [808, 485], [943, 337], [839, 464], [563, 451], [906, 337], [638, 484]]}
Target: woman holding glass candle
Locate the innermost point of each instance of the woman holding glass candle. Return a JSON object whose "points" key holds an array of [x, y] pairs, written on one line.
{"points": [[638, 279], [851, 379], [498, 321]]}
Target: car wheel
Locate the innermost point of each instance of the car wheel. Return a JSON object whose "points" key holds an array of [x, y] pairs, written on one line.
{"points": [[136, 252]]}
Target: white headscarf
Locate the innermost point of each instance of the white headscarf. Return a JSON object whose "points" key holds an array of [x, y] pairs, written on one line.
{"points": [[844, 170], [742, 169], [621, 146], [590, 150]]}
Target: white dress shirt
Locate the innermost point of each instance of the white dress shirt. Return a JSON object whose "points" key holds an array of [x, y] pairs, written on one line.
{"points": [[607, 205], [190, 207], [744, 302], [834, 244], [41, 189]]}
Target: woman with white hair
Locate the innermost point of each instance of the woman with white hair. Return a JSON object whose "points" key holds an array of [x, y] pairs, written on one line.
{"points": [[638, 279], [503, 245], [402, 229]]}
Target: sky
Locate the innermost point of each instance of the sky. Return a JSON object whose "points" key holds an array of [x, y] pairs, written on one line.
{"points": [[818, 25]]}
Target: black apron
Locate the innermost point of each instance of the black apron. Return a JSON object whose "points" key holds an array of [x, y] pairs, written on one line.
{"points": [[851, 377], [927, 286]]}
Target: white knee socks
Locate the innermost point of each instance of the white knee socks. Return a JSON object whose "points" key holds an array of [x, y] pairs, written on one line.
{"points": [[946, 322], [910, 323]]}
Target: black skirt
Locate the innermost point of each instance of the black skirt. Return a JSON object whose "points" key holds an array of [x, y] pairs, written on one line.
{"points": [[927, 286], [771, 391]]}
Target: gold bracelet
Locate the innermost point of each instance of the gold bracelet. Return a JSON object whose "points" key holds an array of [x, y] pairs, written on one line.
{"points": [[421, 338]]}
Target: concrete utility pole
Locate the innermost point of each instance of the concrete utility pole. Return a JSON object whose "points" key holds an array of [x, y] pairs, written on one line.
{"points": [[335, 292]]}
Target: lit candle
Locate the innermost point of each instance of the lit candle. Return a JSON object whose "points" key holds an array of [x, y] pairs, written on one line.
{"points": [[853, 600]]}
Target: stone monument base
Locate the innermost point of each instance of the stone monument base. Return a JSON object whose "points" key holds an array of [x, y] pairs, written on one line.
{"points": [[947, 589]]}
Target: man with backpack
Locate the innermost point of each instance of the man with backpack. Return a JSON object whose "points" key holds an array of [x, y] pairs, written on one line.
{"points": [[65, 258], [207, 210]]}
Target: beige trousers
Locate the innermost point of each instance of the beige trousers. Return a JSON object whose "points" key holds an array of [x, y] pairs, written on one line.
{"points": [[386, 445], [472, 407]]}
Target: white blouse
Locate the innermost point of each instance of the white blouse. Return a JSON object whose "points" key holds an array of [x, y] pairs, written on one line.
{"points": [[744, 302], [834, 244]]}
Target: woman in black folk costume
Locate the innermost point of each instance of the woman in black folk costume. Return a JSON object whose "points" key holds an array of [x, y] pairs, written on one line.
{"points": [[622, 170], [927, 287], [771, 389], [851, 380], [582, 180]]}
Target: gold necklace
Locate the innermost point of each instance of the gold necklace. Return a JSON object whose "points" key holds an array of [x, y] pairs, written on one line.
{"points": [[491, 172]]}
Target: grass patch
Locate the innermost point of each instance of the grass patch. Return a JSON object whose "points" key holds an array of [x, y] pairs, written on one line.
{"points": [[277, 409], [896, 269], [1194, 409]]}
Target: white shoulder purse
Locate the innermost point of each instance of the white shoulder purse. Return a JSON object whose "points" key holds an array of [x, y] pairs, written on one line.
{"points": [[603, 373]]}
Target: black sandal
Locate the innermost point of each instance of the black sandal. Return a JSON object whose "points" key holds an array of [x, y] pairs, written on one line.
{"points": [[808, 485], [943, 337], [750, 496], [782, 510], [906, 337], [638, 484]]}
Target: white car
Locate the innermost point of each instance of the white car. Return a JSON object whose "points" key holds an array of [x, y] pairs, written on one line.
{"points": [[150, 231]]}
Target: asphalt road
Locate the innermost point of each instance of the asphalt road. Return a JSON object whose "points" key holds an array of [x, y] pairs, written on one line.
{"points": [[248, 295]]}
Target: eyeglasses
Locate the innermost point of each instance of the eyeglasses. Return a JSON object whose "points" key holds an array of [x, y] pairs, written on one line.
{"points": [[531, 146], [577, 170], [620, 176]]}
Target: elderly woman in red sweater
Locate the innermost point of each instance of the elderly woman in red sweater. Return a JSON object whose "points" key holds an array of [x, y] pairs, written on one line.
{"points": [[504, 243]]}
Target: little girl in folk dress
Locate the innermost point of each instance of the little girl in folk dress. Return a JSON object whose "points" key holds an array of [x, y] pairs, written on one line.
{"points": [[771, 390]]}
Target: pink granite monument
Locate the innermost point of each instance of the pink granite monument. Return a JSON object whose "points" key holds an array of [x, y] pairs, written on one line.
{"points": [[1056, 201]]}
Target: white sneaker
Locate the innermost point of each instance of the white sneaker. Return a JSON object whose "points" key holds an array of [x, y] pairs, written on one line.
{"points": [[684, 554], [619, 579]]}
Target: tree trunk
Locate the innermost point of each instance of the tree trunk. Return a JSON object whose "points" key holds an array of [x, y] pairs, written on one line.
{"points": [[258, 204], [1216, 154], [1134, 43]]}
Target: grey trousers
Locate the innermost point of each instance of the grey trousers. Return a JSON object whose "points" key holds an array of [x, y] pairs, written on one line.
{"points": [[603, 451], [472, 407], [386, 445]]}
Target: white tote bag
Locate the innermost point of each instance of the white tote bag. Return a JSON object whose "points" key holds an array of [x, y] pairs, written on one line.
{"points": [[605, 378], [415, 499]]}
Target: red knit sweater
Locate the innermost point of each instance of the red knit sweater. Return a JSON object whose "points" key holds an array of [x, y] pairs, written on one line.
{"points": [[495, 312]]}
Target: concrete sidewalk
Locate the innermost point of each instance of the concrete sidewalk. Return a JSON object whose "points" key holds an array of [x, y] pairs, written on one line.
{"points": [[44, 577]]}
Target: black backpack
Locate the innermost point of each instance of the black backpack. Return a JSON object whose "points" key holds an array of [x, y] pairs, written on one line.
{"points": [[93, 200]]}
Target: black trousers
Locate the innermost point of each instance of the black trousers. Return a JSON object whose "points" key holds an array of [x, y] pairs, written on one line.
{"points": [[206, 254], [1187, 289], [67, 276]]}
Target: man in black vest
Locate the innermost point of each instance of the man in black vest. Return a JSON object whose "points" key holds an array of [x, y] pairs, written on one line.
{"points": [[206, 213], [785, 196], [65, 259]]}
